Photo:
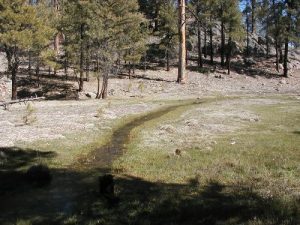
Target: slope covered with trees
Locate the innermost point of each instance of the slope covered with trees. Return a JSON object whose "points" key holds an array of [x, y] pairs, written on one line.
{"points": [[104, 38]]}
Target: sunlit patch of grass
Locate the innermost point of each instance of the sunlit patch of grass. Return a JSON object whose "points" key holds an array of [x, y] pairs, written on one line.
{"points": [[264, 157]]}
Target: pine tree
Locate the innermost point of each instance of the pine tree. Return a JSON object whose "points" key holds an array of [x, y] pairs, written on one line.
{"points": [[234, 29], [116, 32], [168, 31], [75, 25], [20, 30]]}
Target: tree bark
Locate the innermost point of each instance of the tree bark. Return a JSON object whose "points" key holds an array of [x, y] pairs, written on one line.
{"points": [[285, 60], [87, 72], [182, 43], [81, 59], [211, 42], [229, 56], [248, 40], [103, 94], [129, 71], [253, 16], [205, 41], [277, 55], [168, 60], [29, 64], [200, 59], [222, 43], [14, 83]]}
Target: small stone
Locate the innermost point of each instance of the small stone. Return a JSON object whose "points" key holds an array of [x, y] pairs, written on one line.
{"points": [[282, 81], [90, 95]]}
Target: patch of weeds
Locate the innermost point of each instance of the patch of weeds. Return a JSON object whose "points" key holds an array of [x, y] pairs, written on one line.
{"points": [[141, 87], [129, 86], [29, 117], [101, 110], [203, 70]]}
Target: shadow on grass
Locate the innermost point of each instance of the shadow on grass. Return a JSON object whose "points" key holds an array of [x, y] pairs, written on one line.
{"points": [[73, 198], [51, 89]]}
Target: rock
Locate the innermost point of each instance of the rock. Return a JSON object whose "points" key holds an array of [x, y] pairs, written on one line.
{"points": [[168, 128], [219, 76], [39, 175], [282, 81], [111, 92], [280, 66], [191, 123], [178, 152], [91, 95]]}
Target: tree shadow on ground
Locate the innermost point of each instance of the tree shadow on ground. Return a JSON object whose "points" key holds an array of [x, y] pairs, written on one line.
{"points": [[73, 198], [13, 161], [51, 89], [142, 77], [239, 67]]}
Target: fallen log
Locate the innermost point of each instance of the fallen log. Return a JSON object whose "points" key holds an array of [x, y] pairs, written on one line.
{"points": [[25, 100]]}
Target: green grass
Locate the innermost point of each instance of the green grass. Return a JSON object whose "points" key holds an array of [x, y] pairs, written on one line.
{"points": [[253, 181], [264, 159]]}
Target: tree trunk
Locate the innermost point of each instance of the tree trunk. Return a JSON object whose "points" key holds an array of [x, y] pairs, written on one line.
{"points": [[37, 71], [285, 60], [29, 64], [253, 16], [129, 71], [66, 67], [276, 34], [98, 78], [157, 8], [222, 43], [277, 55], [81, 59], [200, 59], [229, 56], [9, 60], [98, 87], [168, 60], [205, 41], [14, 83], [211, 42], [248, 40], [267, 38], [280, 54], [182, 43], [286, 41], [87, 72], [103, 93]]}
